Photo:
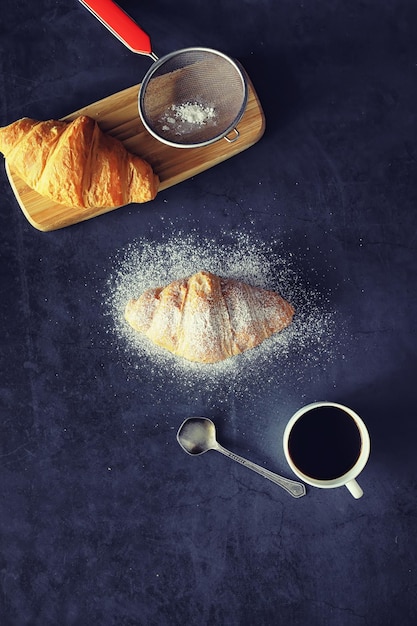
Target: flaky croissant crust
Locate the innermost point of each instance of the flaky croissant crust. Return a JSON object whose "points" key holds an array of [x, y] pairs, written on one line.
{"points": [[205, 318], [76, 163]]}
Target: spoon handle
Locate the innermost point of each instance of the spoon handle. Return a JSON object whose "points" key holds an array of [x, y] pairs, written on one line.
{"points": [[296, 489]]}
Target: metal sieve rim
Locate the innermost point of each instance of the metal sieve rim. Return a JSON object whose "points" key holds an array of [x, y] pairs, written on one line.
{"points": [[155, 67]]}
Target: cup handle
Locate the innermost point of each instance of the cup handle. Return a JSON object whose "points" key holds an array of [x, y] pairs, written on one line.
{"points": [[354, 488]]}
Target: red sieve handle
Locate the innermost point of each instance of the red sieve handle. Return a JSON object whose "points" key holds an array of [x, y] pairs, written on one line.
{"points": [[121, 25]]}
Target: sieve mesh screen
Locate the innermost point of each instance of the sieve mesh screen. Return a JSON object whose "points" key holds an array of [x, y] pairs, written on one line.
{"points": [[193, 96]]}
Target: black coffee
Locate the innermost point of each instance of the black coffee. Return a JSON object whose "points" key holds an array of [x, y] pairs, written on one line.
{"points": [[325, 443]]}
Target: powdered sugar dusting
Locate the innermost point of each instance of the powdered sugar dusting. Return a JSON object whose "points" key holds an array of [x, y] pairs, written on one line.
{"points": [[145, 264], [206, 318]]}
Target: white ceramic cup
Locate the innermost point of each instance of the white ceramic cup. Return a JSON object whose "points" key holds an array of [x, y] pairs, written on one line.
{"points": [[348, 478]]}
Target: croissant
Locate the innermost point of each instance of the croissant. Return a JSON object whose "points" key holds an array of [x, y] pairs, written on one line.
{"points": [[76, 164], [206, 318]]}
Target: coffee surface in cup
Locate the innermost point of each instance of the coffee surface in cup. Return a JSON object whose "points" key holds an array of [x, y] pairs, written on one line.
{"points": [[325, 443]]}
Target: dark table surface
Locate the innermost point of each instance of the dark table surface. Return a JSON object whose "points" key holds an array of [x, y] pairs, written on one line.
{"points": [[103, 518]]}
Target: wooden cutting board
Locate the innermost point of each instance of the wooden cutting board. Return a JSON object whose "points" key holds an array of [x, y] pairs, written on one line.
{"points": [[118, 115]]}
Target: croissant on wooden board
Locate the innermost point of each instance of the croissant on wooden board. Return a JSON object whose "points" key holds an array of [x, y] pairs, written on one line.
{"points": [[76, 163], [205, 318]]}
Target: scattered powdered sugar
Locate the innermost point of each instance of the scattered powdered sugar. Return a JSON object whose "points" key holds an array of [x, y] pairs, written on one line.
{"points": [[306, 343]]}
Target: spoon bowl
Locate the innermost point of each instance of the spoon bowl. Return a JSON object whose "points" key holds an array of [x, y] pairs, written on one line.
{"points": [[196, 435]]}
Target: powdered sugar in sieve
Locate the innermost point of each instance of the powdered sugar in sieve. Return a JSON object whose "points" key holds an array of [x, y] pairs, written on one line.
{"points": [[193, 97], [183, 118]]}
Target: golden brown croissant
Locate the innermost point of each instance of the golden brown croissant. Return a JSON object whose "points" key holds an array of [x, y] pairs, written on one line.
{"points": [[206, 318], [76, 164]]}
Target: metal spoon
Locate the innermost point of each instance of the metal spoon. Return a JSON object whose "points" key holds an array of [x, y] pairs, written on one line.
{"points": [[196, 435]]}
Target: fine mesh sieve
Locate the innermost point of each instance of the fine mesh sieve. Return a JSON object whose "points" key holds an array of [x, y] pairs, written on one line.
{"points": [[193, 97], [188, 98]]}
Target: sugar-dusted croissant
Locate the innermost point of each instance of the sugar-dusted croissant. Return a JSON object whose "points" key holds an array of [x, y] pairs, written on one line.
{"points": [[76, 164], [206, 318]]}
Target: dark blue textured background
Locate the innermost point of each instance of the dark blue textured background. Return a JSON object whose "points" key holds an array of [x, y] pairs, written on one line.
{"points": [[162, 538]]}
